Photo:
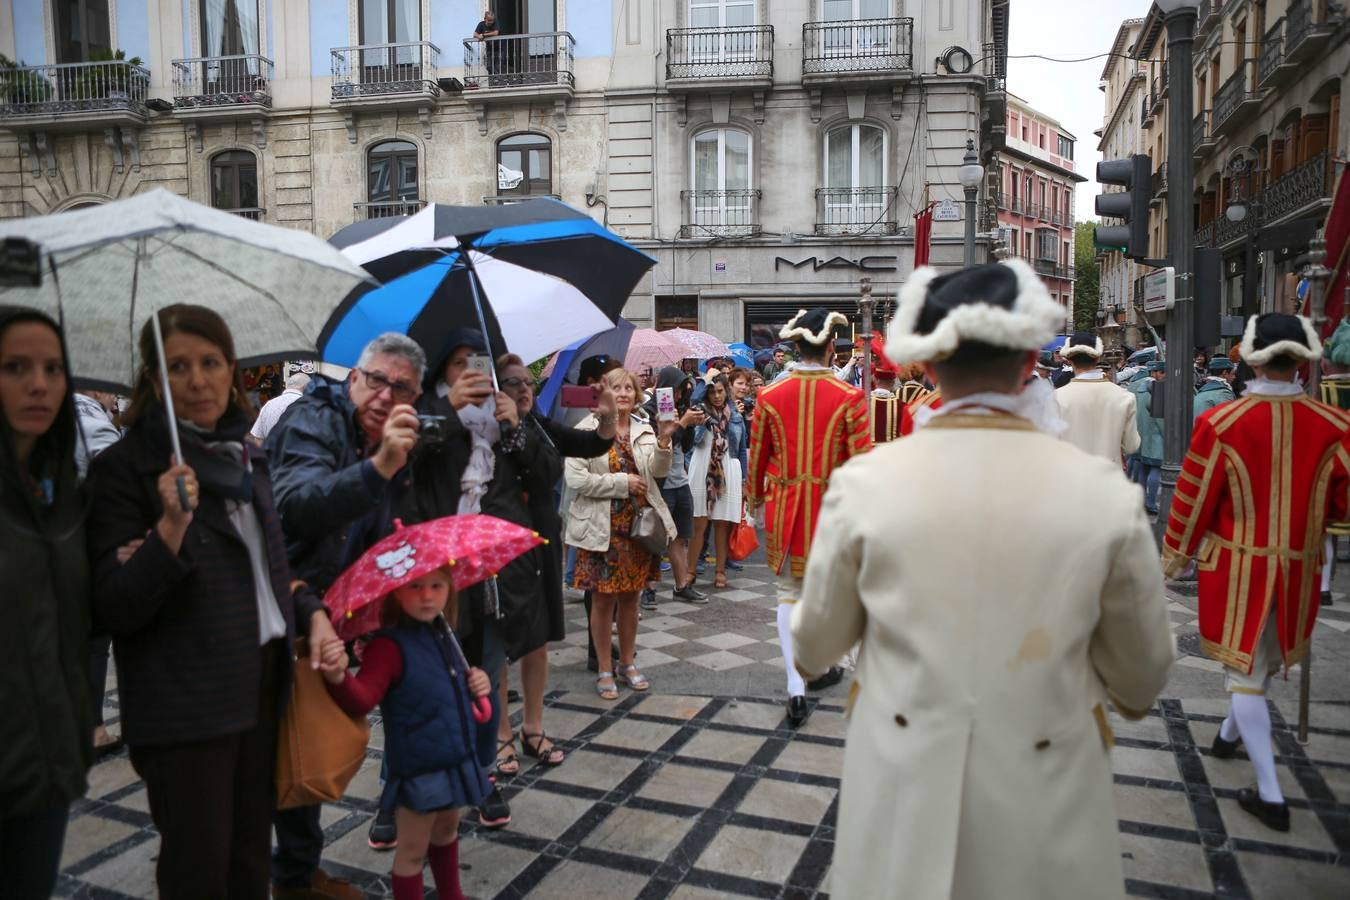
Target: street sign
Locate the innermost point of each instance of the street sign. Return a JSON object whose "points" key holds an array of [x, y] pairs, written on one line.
{"points": [[947, 211], [1160, 289]]}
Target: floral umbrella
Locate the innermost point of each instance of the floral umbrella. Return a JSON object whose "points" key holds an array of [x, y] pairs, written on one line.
{"points": [[697, 344]]}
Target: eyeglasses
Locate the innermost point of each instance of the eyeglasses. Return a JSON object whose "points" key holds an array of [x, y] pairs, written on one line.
{"points": [[401, 391], [512, 384]]}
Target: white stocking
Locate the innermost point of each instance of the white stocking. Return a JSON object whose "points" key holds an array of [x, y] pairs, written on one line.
{"points": [[1327, 566], [796, 687], [1253, 722]]}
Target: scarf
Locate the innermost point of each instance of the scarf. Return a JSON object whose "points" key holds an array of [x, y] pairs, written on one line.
{"points": [[716, 475], [481, 423], [217, 457]]}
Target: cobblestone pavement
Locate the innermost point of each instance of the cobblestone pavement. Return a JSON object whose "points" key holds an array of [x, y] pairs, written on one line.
{"points": [[700, 790]]}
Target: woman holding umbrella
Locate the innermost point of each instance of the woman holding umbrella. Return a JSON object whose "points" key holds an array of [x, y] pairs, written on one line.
{"points": [[202, 609], [44, 645]]}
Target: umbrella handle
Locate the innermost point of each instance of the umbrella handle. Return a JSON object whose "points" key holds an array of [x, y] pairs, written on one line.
{"points": [[181, 483], [482, 710]]}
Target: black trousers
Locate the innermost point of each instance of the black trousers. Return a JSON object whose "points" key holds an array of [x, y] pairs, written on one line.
{"points": [[30, 853], [212, 803]]}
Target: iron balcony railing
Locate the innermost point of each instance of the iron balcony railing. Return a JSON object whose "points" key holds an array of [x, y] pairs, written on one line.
{"points": [[222, 81], [67, 88], [520, 60], [1272, 52], [1206, 16], [255, 213], [851, 211], [1016, 205], [1158, 181], [378, 70], [1146, 111], [742, 51], [1238, 89], [1056, 218], [861, 45], [1304, 184], [1204, 235], [1200, 134], [379, 209], [1301, 24], [733, 213], [508, 199], [1226, 231]]}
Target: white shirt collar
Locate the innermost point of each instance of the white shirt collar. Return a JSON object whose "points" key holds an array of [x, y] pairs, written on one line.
{"points": [[1094, 375], [1035, 403], [1268, 388]]}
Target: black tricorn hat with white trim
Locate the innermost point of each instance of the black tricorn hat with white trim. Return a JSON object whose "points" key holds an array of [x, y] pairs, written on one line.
{"points": [[1279, 334], [1000, 304], [813, 326], [1082, 343]]}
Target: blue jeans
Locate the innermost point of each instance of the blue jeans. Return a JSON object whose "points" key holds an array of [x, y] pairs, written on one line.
{"points": [[1150, 476], [571, 570], [494, 660]]}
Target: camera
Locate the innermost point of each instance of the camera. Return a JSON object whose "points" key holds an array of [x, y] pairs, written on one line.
{"points": [[20, 263], [431, 430]]}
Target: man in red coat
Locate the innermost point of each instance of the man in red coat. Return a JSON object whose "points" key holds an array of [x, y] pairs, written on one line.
{"points": [[807, 424], [1263, 476]]}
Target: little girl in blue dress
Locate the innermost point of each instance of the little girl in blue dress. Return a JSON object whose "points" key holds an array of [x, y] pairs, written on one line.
{"points": [[413, 669]]}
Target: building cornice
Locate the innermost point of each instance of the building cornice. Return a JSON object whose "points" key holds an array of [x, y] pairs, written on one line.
{"points": [[1010, 150], [1118, 47], [1126, 98]]}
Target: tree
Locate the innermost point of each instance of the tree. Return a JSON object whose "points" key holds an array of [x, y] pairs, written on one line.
{"points": [[1086, 287]]}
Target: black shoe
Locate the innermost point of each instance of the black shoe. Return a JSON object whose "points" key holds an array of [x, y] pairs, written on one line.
{"points": [[383, 833], [494, 811], [833, 676], [1326, 598], [1272, 815], [512, 696], [1223, 749], [689, 594], [796, 711], [648, 598]]}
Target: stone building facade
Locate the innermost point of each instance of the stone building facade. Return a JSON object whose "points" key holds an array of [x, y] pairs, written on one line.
{"points": [[767, 154]]}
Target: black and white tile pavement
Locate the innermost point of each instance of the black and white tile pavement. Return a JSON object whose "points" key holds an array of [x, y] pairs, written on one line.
{"points": [[700, 790]]}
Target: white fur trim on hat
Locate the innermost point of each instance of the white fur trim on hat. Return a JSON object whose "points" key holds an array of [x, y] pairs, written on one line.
{"points": [[1254, 357], [1095, 351], [1033, 320], [793, 332]]}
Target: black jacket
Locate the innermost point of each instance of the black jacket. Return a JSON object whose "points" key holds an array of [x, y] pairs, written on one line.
{"points": [[185, 626], [527, 467], [333, 504]]}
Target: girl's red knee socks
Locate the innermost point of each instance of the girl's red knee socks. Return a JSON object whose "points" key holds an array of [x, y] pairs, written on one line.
{"points": [[444, 859], [407, 887]]}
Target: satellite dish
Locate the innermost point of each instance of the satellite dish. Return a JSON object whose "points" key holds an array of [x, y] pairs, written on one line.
{"points": [[957, 60]]}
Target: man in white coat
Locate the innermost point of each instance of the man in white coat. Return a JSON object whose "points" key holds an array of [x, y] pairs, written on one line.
{"points": [[1099, 412], [976, 762]]}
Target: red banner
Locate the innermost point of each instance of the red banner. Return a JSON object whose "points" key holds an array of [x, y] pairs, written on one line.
{"points": [[1338, 252], [923, 233]]}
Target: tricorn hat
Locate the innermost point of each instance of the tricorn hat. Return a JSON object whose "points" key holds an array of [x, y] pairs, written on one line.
{"points": [[1279, 334], [1001, 304], [813, 326], [1082, 343]]}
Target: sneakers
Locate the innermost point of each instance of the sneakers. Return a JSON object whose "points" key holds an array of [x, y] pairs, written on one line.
{"points": [[494, 811], [665, 565], [383, 834], [734, 566], [648, 598], [689, 595]]}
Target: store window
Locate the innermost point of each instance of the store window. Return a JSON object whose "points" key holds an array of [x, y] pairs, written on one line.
{"points": [[234, 181], [525, 166], [391, 172], [82, 29]]}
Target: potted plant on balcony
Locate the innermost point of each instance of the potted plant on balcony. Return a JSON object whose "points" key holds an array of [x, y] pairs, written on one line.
{"points": [[111, 82], [20, 85]]}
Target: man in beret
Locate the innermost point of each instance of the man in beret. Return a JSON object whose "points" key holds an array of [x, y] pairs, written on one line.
{"points": [[977, 760]]}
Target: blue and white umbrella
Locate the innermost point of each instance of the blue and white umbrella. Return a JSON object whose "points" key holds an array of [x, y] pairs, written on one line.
{"points": [[534, 276]]}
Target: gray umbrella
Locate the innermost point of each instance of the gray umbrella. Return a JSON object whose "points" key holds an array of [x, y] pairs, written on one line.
{"points": [[106, 269]]}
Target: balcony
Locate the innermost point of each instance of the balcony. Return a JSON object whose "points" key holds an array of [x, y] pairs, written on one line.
{"points": [[508, 199], [735, 56], [1304, 34], [1237, 100], [1204, 235], [255, 213], [1273, 68], [1227, 232], [1158, 185], [1207, 16], [856, 211], [530, 65], [862, 51], [720, 214], [222, 87], [1017, 206], [74, 95], [1202, 139], [1056, 218], [1299, 190], [378, 76], [381, 209], [1145, 112]]}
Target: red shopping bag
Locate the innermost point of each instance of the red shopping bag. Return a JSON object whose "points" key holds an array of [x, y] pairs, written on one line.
{"points": [[743, 541]]}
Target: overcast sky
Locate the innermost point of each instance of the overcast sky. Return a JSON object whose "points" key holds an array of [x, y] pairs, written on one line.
{"points": [[1067, 91]]}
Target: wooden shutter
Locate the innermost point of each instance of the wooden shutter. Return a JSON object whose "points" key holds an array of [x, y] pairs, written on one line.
{"points": [[1313, 139]]}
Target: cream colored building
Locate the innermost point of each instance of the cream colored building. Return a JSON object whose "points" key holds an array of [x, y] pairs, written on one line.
{"points": [[768, 153]]}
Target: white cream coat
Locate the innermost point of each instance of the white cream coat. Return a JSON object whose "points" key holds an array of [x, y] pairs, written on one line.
{"points": [[595, 486], [1101, 418], [975, 766]]}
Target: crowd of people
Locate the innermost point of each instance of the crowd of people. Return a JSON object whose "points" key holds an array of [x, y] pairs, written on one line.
{"points": [[202, 568]]}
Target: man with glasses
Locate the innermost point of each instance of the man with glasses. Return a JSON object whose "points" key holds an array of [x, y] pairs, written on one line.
{"points": [[338, 456]]}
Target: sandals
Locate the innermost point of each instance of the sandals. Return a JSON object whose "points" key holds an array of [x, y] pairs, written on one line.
{"points": [[508, 765], [721, 580], [630, 676], [606, 691], [533, 746]]}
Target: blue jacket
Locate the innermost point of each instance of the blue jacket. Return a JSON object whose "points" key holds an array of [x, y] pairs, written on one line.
{"points": [[738, 439], [427, 723], [1150, 428], [333, 504], [1210, 395]]}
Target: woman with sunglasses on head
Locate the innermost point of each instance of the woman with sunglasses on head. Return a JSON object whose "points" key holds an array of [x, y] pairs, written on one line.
{"points": [[44, 645], [202, 610]]}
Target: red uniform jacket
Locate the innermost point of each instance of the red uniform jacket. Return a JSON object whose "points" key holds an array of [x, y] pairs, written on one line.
{"points": [[888, 416], [806, 425], [919, 399], [1261, 479]]}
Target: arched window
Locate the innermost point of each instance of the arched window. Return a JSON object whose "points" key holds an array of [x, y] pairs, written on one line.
{"points": [[722, 200], [391, 174], [234, 183], [855, 193], [525, 166]]}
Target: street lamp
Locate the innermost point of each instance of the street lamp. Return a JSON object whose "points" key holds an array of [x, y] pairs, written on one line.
{"points": [[971, 175], [1245, 202], [1179, 17]]}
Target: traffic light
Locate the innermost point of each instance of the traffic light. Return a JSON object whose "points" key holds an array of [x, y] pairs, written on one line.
{"points": [[1130, 204]]}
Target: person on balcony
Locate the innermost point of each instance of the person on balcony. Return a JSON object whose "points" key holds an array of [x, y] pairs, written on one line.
{"points": [[494, 56]]}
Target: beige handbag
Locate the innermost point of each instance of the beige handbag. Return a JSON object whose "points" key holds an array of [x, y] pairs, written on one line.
{"points": [[649, 531], [319, 747]]}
